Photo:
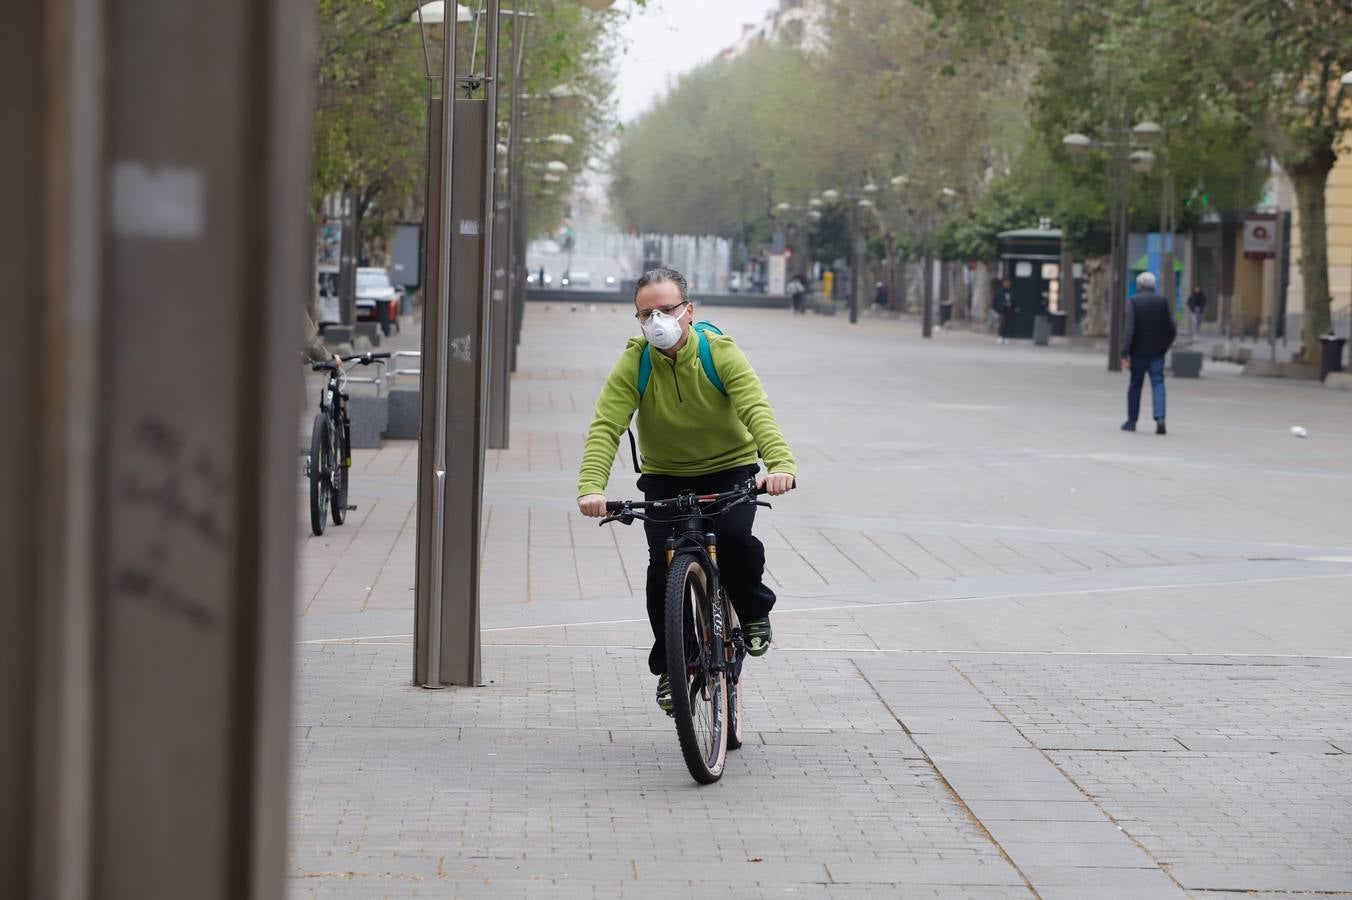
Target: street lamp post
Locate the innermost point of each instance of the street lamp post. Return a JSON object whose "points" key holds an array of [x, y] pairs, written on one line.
{"points": [[454, 361], [1128, 151]]}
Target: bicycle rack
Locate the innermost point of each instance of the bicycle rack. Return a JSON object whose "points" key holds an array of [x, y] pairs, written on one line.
{"points": [[379, 379], [398, 371]]}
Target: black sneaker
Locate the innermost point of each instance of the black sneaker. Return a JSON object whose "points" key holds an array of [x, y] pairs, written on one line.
{"points": [[1128, 426], [1159, 427], [664, 693], [758, 636]]}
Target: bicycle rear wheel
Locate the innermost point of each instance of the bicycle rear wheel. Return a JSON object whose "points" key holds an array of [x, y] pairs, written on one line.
{"points": [[321, 467], [342, 460], [698, 693]]}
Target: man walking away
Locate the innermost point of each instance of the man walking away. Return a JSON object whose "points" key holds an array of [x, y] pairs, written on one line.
{"points": [[1196, 306], [1005, 308], [1147, 334]]}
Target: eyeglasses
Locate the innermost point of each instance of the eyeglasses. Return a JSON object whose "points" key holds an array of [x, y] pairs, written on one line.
{"points": [[644, 315]]}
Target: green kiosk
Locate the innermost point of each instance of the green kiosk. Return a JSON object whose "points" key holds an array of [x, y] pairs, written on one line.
{"points": [[1031, 259]]}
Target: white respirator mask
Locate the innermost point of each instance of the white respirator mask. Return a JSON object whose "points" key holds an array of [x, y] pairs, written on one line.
{"points": [[663, 331]]}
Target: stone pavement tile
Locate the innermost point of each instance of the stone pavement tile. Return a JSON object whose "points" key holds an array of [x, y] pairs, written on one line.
{"points": [[903, 872], [1120, 853], [1016, 832], [1238, 876], [1101, 883], [1254, 745], [1035, 811], [1117, 743]]}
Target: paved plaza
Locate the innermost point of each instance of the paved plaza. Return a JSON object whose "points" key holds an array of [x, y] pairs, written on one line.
{"points": [[1019, 653]]}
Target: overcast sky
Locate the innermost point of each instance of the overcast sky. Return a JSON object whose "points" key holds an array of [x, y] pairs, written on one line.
{"points": [[669, 37]]}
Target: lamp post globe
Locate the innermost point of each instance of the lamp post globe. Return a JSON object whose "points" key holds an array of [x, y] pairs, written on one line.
{"points": [[1146, 132], [1077, 144]]}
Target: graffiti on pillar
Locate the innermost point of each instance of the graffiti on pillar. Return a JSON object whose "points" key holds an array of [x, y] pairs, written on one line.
{"points": [[177, 490]]}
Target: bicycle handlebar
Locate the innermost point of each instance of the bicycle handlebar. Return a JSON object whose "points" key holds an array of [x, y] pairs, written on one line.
{"points": [[330, 365], [684, 501]]}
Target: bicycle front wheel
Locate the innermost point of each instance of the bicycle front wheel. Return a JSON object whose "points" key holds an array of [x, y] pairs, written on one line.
{"points": [[699, 697], [321, 468], [342, 461]]}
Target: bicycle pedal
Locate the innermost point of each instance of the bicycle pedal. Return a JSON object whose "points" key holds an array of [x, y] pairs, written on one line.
{"points": [[350, 508]]}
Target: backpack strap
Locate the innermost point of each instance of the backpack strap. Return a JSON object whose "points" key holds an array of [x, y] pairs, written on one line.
{"points": [[645, 369], [706, 358]]}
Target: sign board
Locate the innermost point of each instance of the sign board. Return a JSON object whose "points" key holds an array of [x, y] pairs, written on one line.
{"points": [[775, 276], [1260, 235]]}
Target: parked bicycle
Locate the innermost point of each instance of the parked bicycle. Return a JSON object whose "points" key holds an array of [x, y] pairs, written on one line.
{"points": [[703, 637], [330, 455]]}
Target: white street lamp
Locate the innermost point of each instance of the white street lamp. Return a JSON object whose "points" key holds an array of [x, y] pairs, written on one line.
{"points": [[1142, 160], [564, 140], [830, 195], [596, 5], [552, 179], [1146, 132], [431, 19], [556, 165], [815, 202], [1077, 144], [782, 207], [900, 181], [815, 215], [866, 203], [870, 188]]}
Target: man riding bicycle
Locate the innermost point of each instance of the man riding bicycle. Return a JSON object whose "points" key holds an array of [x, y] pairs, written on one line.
{"points": [[703, 423]]}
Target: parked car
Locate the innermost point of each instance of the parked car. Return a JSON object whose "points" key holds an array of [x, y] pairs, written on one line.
{"points": [[378, 300]]}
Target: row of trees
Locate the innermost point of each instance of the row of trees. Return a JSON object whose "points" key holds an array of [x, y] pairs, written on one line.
{"points": [[976, 95], [370, 137]]}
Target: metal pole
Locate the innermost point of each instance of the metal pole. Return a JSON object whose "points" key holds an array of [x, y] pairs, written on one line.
{"points": [[927, 274], [1117, 305], [856, 263]]}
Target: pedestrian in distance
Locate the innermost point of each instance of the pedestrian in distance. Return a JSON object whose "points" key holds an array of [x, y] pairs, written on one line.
{"points": [[1006, 309], [1148, 331], [704, 423], [880, 297], [1196, 306], [797, 293]]}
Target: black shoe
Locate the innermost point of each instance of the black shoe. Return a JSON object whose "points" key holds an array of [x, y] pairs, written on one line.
{"points": [[1159, 427], [1128, 426], [758, 636], [664, 693]]}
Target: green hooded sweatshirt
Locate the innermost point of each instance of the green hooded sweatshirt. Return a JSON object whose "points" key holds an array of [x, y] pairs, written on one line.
{"points": [[686, 426]]}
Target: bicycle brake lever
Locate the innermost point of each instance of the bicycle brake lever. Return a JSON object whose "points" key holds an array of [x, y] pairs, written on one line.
{"points": [[764, 504]]}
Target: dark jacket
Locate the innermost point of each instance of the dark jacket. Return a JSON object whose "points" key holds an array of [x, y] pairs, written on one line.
{"points": [[1004, 300], [1149, 328], [1197, 301]]}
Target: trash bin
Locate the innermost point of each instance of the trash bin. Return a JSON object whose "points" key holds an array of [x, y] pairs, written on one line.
{"points": [[1042, 330], [1058, 323], [945, 313], [1331, 357]]}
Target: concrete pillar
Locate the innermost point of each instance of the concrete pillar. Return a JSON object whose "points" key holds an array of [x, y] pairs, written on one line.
{"points": [[154, 168]]}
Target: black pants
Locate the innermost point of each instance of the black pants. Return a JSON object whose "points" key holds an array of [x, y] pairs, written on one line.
{"points": [[741, 557]]}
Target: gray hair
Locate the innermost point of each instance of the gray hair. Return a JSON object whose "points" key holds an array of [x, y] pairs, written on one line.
{"points": [[662, 275], [1146, 281]]}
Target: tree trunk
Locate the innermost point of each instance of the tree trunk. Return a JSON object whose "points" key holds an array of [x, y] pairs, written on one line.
{"points": [[981, 293], [957, 291], [1098, 274], [1310, 180], [312, 346]]}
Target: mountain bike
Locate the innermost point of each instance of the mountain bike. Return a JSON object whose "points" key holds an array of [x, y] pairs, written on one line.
{"points": [[330, 455], [703, 637]]}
